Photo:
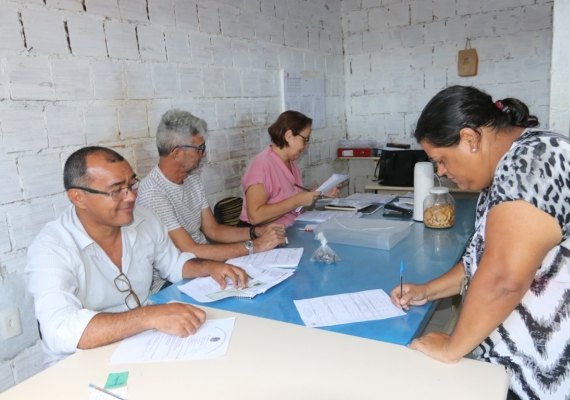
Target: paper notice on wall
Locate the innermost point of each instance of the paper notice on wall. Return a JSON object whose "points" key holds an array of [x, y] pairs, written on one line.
{"points": [[304, 91]]}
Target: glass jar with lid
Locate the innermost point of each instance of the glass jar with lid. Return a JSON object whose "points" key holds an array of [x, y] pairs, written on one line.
{"points": [[439, 208]]}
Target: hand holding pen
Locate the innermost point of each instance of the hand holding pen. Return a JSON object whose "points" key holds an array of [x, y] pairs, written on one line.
{"points": [[308, 197], [405, 295]]}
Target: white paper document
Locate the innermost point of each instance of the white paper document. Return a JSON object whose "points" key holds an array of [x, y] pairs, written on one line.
{"points": [[332, 182], [372, 197], [368, 305], [276, 258], [322, 216], [206, 289], [211, 341]]}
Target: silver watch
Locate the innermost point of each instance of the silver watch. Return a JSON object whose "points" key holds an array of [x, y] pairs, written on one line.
{"points": [[249, 247]]}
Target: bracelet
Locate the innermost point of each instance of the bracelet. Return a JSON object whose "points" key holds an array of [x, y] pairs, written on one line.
{"points": [[252, 234]]}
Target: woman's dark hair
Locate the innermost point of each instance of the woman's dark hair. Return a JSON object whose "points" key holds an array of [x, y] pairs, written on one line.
{"points": [[288, 120], [75, 169], [459, 107]]}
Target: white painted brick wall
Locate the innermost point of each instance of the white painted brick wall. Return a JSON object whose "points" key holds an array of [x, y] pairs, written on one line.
{"points": [[151, 43], [10, 183], [186, 14], [208, 18], [71, 79], [23, 129], [177, 46], [64, 126], [134, 10], [12, 40], [101, 124], [161, 12], [73, 5], [30, 78], [45, 32], [121, 40], [222, 51], [106, 8], [23, 228], [107, 79], [86, 36], [232, 83], [200, 49], [133, 122], [165, 79], [191, 81], [409, 52], [41, 175], [139, 81], [559, 117]]}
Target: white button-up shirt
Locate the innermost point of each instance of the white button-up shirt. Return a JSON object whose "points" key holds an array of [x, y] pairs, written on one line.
{"points": [[72, 279]]}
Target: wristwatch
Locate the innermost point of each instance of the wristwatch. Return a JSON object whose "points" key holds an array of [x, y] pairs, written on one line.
{"points": [[249, 247]]}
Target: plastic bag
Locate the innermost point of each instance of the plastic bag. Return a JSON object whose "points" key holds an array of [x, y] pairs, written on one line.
{"points": [[324, 253]]}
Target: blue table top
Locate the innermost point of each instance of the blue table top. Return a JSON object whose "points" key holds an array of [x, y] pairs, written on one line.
{"points": [[427, 253]]}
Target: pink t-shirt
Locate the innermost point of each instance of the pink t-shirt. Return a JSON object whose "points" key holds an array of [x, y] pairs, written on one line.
{"points": [[268, 169]]}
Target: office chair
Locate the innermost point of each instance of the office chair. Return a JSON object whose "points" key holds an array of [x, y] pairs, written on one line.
{"points": [[226, 211]]}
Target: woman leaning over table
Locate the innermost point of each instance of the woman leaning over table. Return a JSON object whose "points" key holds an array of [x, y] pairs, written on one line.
{"points": [[517, 305], [273, 183]]}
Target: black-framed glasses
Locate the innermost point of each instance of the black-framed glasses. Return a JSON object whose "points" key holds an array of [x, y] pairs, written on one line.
{"points": [[123, 285], [120, 193], [200, 149], [306, 139]]}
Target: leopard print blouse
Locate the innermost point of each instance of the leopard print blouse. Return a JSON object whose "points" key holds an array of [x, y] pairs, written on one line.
{"points": [[534, 341]]}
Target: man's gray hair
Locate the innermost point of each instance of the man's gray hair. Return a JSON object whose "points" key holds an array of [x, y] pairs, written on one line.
{"points": [[175, 127]]}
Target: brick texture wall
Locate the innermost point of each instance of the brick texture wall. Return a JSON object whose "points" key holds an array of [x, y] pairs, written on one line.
{"points": [[399, 53], [84, 72]]}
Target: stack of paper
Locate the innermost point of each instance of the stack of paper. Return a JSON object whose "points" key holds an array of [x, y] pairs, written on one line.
{"points": [[276, 258], [206, 289], [371, 197]]}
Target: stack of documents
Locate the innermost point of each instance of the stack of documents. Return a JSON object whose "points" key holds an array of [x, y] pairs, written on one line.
{"points": [[206, 289], [265, 270], [276, 258]]}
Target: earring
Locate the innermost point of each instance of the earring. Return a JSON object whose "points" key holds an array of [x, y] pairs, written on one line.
{"points": [[473, 150]]}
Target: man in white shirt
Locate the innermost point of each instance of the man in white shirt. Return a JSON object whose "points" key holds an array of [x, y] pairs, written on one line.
{"points": [[174, 191], [90, 271]]}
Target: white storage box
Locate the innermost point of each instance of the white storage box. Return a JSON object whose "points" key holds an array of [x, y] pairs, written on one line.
{"points": [[365, 232]]}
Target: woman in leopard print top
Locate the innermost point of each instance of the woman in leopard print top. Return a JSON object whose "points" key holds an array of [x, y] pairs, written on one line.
{"points": [[516, 310]]}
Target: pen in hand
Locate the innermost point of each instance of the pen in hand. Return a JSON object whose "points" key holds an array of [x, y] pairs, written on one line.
{"points": [[309, 190], [303, 188], [401, 278]]}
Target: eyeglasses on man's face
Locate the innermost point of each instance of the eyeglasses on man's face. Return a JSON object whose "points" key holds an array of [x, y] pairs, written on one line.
{"points": [[118, 194], [200, 149], [123, 285]]}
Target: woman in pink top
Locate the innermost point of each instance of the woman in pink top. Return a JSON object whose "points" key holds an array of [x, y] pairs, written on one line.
{"points": [[271, 182]]}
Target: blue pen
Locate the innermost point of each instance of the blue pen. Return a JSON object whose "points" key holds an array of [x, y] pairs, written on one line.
{"points": [[401, 277]]}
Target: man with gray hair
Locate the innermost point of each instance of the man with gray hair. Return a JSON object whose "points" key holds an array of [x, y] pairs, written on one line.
{"points": [[175, 192], [91, 270]]}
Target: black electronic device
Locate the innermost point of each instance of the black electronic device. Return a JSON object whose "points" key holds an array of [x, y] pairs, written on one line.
{"points": [[396, 167]]}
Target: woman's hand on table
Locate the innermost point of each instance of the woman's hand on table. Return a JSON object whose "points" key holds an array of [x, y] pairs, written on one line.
{"points": [[411, 295], [435, 345], [273, 235]]}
